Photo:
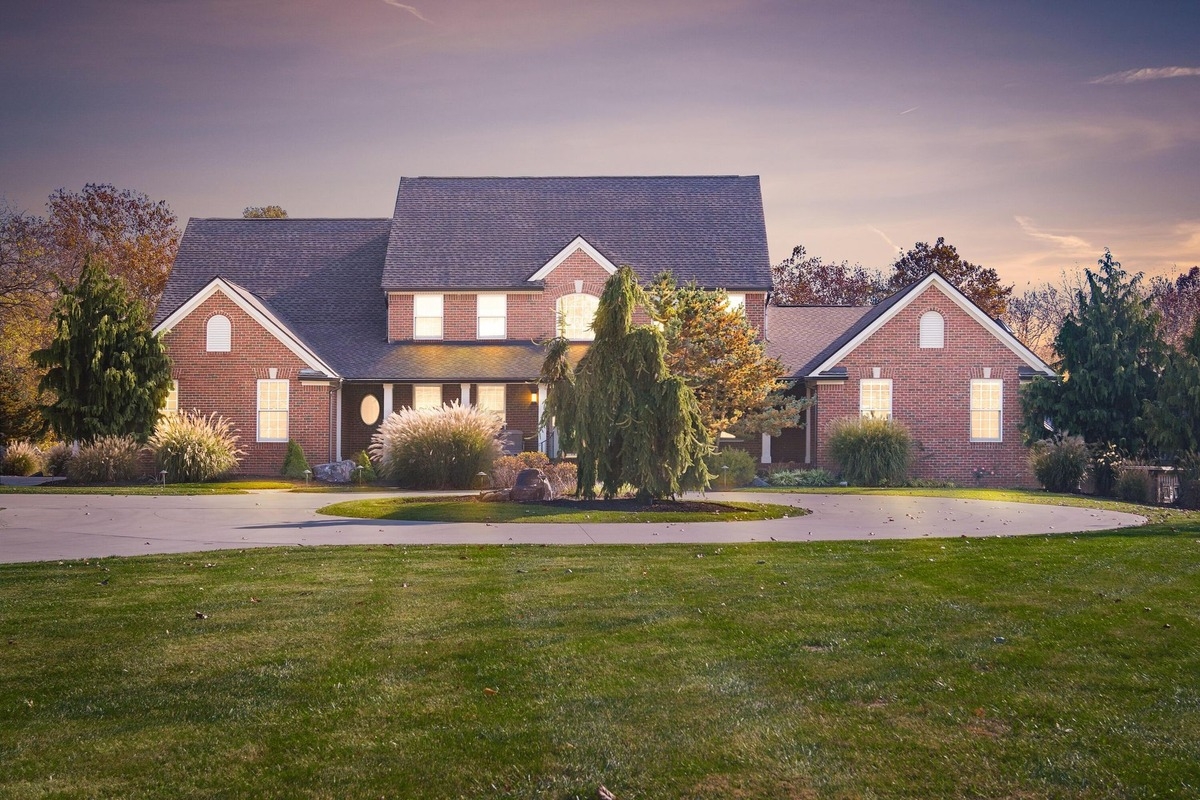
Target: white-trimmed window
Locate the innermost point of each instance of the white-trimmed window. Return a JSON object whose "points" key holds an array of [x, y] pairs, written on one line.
{"points": [[575, 314], [368, 410], [171, 404], [492, 397], [933, 330], [427, 316], [735, 301], [272, 411], [426, 396], [218, 334], [491, 316], [875, 397], [987, 405]]}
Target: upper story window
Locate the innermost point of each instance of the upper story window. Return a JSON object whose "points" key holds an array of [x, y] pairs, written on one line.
{"points": [[933, 330], [987, 403], [491, 314], [218, 334], [875, 397], [427, 316], [491, 397], [427, 396], [575, 314], [272, 411], [736, 301]]}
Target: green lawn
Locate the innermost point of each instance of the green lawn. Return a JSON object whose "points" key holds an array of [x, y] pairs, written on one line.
{"points": [[240, 486], [468, 508], [977, 668]]}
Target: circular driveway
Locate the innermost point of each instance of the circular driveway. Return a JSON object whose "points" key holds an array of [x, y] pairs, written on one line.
{"points": [[42, 527]]}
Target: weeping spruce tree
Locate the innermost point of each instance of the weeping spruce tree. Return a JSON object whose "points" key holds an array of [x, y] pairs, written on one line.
{"points": [[628, 419], [108, 374]]}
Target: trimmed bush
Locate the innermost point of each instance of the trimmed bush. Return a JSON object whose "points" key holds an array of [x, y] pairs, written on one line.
{"points": [[562, 474], [871, 451], [294, 463], [367, 474], [802, 477], [192, 447], [444, 448], [1059, 464], [21, 458], [742, 468], [1133, 486], [109, 459], [58, 458]]}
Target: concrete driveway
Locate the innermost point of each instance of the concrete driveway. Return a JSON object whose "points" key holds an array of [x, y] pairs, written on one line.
{"points": [[53, 527]]}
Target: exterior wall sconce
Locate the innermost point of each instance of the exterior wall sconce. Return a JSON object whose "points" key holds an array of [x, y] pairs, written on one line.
{"points": [[533, 397]]}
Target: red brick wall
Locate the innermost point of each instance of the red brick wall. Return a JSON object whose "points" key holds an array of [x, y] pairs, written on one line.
{"points": [[931, 395], [356, 435], [226, 383]]}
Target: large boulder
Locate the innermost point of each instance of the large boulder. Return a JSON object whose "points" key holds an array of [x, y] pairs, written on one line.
{"points": [[335, 471], [532, 484]]}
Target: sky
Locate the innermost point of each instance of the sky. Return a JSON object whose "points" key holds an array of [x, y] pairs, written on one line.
{"points": [[1031, 135]]}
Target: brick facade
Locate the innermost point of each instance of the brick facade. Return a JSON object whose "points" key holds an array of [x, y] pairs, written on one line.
{"points": [[931, 395], [227, 384]]}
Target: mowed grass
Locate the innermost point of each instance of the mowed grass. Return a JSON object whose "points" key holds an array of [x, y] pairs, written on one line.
{"points": [[974, 668], [469, 508], [240, 486]]}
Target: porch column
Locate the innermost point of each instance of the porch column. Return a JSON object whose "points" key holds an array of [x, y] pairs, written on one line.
{"points": [[808, 430], [766, 449], [338, 427], [465, 397], [387, 400], [543, 440]]}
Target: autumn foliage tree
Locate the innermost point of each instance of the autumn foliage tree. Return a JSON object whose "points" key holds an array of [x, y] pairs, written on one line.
{"points": [[1178, 302], [982, 285], [804, 280], [264, 212], [629, 420]]}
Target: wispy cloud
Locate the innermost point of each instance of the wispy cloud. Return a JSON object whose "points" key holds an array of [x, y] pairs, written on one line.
{"points": [[410, 9], [1148, 74], [909, 110], [1071, 244], [884, 236]]}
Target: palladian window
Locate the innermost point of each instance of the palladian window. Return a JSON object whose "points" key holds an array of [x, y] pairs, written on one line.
{"points": [[575, 314]]}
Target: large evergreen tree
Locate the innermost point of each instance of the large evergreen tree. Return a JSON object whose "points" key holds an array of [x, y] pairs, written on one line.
{"points": [[1173, 418], [107, 373], [627, 418], [1110, 356]]}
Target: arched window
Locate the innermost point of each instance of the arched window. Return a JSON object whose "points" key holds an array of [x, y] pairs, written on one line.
{"points": [[219, 334], [933, 330], [575, 313]]}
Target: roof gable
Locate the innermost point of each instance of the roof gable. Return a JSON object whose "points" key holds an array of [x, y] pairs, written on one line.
{"points": [[881, 314], [580, 244], [462, 234]]}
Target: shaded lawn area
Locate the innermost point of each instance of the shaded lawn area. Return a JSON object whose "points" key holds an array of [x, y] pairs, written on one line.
{"points": [[1020, 667], [469, 508]]}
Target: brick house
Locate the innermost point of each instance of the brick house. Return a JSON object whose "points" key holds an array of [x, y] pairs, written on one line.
{"points": [[926, 356], [316, 329]]}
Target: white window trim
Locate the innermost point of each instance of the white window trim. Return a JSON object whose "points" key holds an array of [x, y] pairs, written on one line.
{"points": [[999, 411], [440, 317], [560, 318], [862, 386], [480, 316], [503, 389], [286, 410]]}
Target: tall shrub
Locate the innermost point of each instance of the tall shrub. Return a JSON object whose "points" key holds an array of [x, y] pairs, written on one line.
{"points": [[1059, 464], [731, 468], [192, 447], [871, 452], [108, 459], [295, 465], [444, 448]]}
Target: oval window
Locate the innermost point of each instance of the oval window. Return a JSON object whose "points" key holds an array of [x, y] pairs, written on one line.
{"points": [[369, 410]]}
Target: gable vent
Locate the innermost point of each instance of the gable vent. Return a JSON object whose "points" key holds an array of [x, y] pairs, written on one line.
{"points": [[218, 334], [933, 330]]}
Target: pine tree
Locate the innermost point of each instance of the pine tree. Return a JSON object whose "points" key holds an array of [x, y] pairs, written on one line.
{"points": [[1110, 357], [1173, 418], [108, 374], [628, 419]]}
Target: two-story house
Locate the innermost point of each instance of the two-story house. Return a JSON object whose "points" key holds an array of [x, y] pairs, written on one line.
{"points": [[316, 329]]}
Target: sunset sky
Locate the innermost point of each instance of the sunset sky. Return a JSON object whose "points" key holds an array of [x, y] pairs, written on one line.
{"points": [[1030, 134]]}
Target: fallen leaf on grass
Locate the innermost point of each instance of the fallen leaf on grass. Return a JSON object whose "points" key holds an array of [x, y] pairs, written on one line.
{"points": [[490, 692]]}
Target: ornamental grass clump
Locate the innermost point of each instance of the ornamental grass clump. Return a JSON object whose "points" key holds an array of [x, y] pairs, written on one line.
{"points": [[801, 477], [443, 448], [871, 451], [1059, 464], [58, 458], [731, 468], [21, 458], [193, 448], [108, 459], [1134, 486]]}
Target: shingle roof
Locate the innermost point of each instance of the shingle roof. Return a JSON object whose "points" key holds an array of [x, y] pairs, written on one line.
{"points": [[491, 233], [796, 334], [319, 277], [459, 362]]}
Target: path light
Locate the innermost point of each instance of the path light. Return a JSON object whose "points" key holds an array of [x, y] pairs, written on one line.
{"points": [[483, 479], [725, 476], [163, 475], [307, 476]]}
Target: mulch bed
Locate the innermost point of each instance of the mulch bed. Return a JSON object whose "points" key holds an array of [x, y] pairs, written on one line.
{"points": [[632, 504]]}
